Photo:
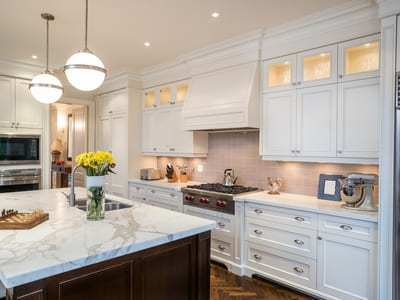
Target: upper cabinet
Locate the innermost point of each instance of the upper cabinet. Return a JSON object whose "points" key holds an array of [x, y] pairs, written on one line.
{"points": [[21, 110], [359, 59], [305, 69], [162, 96]]}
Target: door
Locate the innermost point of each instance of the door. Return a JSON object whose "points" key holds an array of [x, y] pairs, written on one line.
{"points": [[150, 124], [359, 118], [316, 121], [346, 267], [28, 111], [279, 123], [7, 96], [279, 74], [79, 145]]}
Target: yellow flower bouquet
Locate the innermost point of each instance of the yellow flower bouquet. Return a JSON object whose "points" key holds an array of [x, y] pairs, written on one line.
{"points": [[96, 164]]}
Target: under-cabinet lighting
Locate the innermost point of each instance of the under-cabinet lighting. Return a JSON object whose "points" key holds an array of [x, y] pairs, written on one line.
{"points": [[322, 54], [367, 44], [286, 62]]}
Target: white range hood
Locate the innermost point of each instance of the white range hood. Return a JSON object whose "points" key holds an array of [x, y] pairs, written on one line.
{"points": [[224, 99]]}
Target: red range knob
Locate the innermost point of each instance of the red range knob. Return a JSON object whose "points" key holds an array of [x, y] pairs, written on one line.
{"points": [[218, 203], [223, 204], [189, 198]]}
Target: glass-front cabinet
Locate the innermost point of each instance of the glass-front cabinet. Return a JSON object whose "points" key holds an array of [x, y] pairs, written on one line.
{"points": [[359, 59], [280, 73], [163, 96]]}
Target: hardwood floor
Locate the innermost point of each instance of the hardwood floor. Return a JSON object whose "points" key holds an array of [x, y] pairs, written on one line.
{"points": [[226, 285]]}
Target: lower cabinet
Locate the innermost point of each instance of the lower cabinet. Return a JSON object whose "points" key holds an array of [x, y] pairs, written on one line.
{"points": [[162, 197], [178, 270], [328, 256]]}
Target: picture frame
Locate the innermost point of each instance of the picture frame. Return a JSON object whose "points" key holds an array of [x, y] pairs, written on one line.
{"points": [[329, 187]]}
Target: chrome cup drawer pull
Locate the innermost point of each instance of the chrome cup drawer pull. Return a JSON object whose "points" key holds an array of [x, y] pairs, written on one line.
{"points": [[220, 247], [346, 227], [221, 224], [300, 219], [258, 232], [257, 257], [299, 242], [258, 211], [153, 191], [298, 270]]}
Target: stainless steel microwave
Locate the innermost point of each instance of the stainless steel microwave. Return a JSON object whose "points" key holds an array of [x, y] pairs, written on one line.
{"points": [[19, 149]]}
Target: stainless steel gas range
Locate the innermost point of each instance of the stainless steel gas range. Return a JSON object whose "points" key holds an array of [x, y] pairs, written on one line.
{"points": [[214, 196]]}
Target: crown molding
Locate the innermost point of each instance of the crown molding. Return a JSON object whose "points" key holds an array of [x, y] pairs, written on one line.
{"points": [[388, 7], [19, 69]]}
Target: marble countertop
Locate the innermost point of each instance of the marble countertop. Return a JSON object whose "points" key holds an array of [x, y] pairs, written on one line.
{"points": [[68, 241], [164, 183], [307, 203]]}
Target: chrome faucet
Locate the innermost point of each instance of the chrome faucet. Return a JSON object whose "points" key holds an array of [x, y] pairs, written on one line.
{"points": [[72, 192]]}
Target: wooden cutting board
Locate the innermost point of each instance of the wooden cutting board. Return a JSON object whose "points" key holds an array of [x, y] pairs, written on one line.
{"points": [[23, 220]]}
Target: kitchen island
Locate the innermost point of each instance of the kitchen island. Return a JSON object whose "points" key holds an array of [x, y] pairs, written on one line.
{"points": [[142, 252]]}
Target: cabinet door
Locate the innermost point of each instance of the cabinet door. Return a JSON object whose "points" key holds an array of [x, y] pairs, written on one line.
{"points": [[279, 74], [119, 145], [279, 123], [346, 267], [150, 98], [358, 118], [165, 135], [103, 142], [316, 121], [28, 111], [150, 131], [317, 66], [359, 58], [182, 140], [115, 102], [7, 96]]}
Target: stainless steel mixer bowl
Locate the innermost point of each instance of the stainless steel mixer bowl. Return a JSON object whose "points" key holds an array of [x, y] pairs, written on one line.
{"points": [[351, 194]]}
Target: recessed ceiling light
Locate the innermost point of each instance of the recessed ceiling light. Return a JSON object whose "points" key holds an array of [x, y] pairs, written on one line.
{"points": [[147, 44], [34, 56], [215, 14]]}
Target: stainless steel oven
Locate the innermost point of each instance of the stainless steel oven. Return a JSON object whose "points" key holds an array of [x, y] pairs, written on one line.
{"points": [[18, 180], [19, 149]]}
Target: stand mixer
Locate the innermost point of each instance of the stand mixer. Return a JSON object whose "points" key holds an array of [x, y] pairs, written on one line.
{"points": [[356, 191]]}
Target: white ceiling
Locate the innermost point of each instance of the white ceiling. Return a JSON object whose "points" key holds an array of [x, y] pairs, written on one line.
{"points": [[118, 28]]}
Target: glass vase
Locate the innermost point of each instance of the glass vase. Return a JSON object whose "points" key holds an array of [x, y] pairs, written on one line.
{"points": [[95, 202]]}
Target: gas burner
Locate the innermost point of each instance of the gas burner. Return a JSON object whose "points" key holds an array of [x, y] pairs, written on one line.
{"points": [[220, 188]]}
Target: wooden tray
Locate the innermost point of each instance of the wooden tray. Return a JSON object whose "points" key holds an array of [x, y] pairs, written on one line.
{"points": [[23, 220]]}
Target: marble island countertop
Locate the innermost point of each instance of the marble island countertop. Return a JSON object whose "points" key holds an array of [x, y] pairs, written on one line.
{"points": [[307, 203], [164, 183], [68, 241]]}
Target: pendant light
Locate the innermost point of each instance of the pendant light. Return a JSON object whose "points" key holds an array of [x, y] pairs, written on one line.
{"points": [[45, 87], [84, 70]]}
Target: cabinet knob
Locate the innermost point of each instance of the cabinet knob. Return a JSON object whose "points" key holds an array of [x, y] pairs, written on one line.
{"points": [[300, 219], [298, 270], [319, 238], [153, 191], [144, 198], [346, 227], [299, 83], [340, 151], [17, 124], [221, 224], [110, 112], [293, 83], [220, 247], [293, 151], [258, 211], [297, 151], [154, 149], [299, 242], [340, 76], [137, 188], [171, 102], [172, 195], [154, 105], [258, 232], [171, 149], [257, 257]]}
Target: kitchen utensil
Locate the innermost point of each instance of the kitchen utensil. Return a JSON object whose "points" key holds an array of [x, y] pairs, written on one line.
{"points": [[171, 175], [356, 191], [229, 177], [274, 183]]}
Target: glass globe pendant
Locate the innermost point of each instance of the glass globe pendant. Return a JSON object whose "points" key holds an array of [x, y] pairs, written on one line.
{"points": [[84, 70], [45, 87]]}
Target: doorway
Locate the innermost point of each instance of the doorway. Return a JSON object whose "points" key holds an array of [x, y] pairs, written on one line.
{"points": [[68, 128]]}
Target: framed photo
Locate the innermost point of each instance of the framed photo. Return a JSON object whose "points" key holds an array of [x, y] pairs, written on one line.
{"points": [[329, 187]]}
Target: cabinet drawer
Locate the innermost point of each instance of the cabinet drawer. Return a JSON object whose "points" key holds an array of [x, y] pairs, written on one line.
{"points": [[136, 189], [221, 247], [282, 215], [282, 265], [170, 195], [282, 237], [224, 221], [347, 227]]}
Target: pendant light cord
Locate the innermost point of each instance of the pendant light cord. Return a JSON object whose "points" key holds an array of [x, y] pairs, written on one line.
{"points": [[47, 45], [86, 25]]}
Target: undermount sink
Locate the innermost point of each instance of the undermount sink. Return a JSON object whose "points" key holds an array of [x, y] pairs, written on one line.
{"points": [[109, 204]]}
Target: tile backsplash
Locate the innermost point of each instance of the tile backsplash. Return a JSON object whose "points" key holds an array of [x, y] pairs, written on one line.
{"points": [[240, 151]]}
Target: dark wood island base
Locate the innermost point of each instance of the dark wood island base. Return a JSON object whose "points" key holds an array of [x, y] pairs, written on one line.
{"points": [[178, 270]]}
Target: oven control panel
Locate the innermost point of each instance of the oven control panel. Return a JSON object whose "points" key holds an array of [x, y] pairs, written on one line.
{"points": [[209, 201]]}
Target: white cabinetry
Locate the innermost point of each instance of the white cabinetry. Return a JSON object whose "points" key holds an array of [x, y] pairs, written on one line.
{"points": [[162, 132], [300, 122], [358, 118], [112, 129], [153, 195], [21, 110], [347, 250], [330, 256]]}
